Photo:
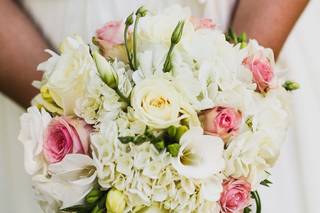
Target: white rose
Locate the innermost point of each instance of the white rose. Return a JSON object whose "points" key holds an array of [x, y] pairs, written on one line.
{"points": [[158, 104], [33, 125], [200, 156], [67, 79]]}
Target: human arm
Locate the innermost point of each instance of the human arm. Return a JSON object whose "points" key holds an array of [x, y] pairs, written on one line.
{"points": [[268, 21], [21, 50]]}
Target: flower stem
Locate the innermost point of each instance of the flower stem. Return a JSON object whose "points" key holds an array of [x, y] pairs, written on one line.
{"points": [[135, 59], [256, 197], [129, 54]]}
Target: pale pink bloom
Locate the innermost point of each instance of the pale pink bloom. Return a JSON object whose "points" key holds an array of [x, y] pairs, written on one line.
{"points": [[202, 23], [261, 70], [112, 32], [235, 196], [221, 121], [65, 135], [110, 40]]}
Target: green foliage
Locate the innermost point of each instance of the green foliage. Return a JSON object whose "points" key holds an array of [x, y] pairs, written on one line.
{"points": [[232, 37], [266, 183], [94, 202]]}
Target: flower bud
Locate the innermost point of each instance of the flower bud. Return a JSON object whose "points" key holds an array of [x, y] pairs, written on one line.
{"points": [[105, 70], [129, 20], [93, 196], [172, 131], [177, 33], [180, 131], [142, 11], [159, 145], [291, 85], [115, 201], [173, 149]]}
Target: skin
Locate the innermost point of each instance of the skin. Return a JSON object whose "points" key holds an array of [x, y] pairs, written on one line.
{"points": [[268, 21], [22, 44]]}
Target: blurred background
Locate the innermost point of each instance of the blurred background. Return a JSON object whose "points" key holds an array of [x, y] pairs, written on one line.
{"points": [[296, 177]]}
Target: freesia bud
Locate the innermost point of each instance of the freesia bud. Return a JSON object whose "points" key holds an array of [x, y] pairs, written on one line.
{"points": [[177, 33], [160, 145], [93, 196], [129, 20], [173, 149], [115, 201], [172, 131], [291, 85], [105, 70], [142, 11], [180, 131]]}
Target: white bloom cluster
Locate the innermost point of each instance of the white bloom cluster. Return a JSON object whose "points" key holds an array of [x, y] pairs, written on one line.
{"points": [[187, 117]]}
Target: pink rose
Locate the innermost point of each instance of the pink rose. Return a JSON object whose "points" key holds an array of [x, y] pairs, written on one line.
{"points": [[110, 39], [261, 70], [203, 23], [112, 32], [235, 195], [65, 135], [221, 121]]}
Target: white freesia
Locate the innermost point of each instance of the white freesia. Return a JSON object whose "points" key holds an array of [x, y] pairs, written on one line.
{"points": [[33, 126], [70, 180], [67, 79], [158, 105], [200, 156]]}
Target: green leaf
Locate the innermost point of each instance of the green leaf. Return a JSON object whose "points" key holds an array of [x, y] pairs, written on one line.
{"points": [[140, 139], [126, 140], [76, 208], [266, 183]]}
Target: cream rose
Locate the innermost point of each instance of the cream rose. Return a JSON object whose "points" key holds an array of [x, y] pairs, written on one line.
{"points": [[157, 104], [67, 77]]}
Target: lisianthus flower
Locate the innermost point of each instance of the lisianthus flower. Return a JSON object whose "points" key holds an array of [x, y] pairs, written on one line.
{"points": [[200, 156]]}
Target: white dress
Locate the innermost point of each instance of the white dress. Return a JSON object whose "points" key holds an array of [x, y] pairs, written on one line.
{"points": [[296, 177]]}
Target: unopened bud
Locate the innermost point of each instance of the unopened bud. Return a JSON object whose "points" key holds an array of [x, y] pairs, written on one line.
{"points": [[129, 20], [142, 11], [107, 74], [172, 130], [93, 196], [291, 85], [180, 131], [173, 149], [115, 201], [177, 33]]}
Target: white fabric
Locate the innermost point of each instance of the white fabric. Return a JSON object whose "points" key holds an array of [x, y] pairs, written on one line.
{"points": [[296, 176]]}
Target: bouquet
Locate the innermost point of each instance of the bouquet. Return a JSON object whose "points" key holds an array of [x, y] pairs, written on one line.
{"points": [[163, 112]]}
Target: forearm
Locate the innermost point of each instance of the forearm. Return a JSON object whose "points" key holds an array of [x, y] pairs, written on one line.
{"points": [[21, 50], [268, 21]]}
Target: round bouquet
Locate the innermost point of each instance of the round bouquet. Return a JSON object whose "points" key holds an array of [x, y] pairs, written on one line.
{"points": [[162, 113]]}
